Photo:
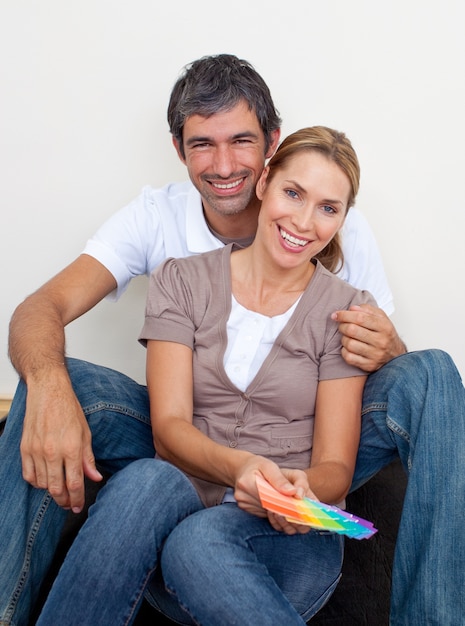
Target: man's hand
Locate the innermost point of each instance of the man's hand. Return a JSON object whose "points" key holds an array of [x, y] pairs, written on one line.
{"points": [[369, 339], [56, 447]]}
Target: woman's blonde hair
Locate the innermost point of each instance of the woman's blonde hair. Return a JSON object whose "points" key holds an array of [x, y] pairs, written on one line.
{"points": [[335, 146]]}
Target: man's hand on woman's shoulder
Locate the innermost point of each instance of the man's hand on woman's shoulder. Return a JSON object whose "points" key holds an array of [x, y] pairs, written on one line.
{"points": [[369, 338]]}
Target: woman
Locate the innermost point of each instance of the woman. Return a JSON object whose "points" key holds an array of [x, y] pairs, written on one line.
{"points": [[246, 379]]}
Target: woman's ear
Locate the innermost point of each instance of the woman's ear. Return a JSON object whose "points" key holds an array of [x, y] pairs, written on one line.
{"points": [[261, 184]]}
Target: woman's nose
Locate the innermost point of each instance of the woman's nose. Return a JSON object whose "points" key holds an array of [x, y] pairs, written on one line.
{"points": [[304, 219]]}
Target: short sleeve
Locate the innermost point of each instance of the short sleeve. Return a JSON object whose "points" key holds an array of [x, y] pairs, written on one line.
{"points": [[123, 242], [168, 313], [332, 365]]}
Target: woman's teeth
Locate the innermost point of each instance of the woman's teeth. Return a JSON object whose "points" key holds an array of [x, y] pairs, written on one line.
{"points": [[292, 239]]}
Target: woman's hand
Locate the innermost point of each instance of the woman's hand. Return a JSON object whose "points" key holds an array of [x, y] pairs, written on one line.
{"points": [[300, 480], [289, 482], [281, 524]]}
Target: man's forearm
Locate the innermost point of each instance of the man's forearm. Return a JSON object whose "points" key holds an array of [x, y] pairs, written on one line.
{"points": [[36, 343]]}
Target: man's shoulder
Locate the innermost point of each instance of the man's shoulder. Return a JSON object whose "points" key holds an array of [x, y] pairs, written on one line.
{"points": [[355, 221], [171, 196], [205, 261], [334, 286]]}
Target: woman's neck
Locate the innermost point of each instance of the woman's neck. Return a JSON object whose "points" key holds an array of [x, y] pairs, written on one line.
{"points": [[263, 288]]}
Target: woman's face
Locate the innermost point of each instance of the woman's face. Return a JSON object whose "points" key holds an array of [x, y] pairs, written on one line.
{"points": [[303, 207]]}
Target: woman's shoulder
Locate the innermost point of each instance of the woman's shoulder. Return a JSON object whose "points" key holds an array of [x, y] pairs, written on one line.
{"points": [[340, 290]]}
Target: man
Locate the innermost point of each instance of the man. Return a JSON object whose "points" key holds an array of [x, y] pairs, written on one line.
{"points": [[224, 127]]}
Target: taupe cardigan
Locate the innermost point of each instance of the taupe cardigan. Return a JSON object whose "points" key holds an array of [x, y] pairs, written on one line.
{"points": [[189, 302]]}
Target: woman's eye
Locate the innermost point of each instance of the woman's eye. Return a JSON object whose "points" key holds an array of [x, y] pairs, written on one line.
{"points": [[329, 209], [291, 193]]}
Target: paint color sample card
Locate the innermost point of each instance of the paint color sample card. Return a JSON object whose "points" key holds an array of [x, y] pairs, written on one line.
{"points": [[313, 513]]}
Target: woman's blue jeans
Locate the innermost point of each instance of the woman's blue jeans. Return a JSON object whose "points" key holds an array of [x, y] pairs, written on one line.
{"points": [[226, 566], [414, 407]]}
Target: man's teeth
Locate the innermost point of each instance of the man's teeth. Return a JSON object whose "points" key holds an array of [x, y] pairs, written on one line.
{"points": [[292, 239], [228, 185]]}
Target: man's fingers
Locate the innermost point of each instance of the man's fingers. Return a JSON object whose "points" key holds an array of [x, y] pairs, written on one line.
{"points": [[356, 346], [29, 470], [351, 322], [75, 486], [57, 486], [37, 474], [89, 467]]}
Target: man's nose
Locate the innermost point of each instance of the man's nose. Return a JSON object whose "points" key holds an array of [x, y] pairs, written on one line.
{"points": [[224, 161]]}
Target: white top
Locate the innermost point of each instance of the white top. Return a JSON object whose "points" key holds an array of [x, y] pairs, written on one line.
{"points": [[251, 336], [169, 222]]}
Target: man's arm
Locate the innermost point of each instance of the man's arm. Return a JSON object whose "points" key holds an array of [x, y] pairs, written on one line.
{"points": [[369, 338], [56, 443]]}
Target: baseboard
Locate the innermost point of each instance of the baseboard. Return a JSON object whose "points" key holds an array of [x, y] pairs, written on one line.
{"points": [[4, 406]]}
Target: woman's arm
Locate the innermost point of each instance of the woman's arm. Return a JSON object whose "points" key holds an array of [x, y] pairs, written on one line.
{"points": [[336, 437], [335, 443], [176, 439], [170, 385]]}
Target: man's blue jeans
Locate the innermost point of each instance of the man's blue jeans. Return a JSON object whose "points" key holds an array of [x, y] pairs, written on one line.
{"points": [[414, 407], [225, 565]]}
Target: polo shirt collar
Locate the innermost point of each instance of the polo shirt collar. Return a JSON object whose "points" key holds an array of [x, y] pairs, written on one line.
{"points": [[199, 238]]}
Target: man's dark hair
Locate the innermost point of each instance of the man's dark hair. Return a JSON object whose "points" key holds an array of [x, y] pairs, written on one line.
{"points": [[217, 83]]}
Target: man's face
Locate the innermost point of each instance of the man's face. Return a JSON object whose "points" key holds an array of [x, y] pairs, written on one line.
{"points": [[225, 155]]}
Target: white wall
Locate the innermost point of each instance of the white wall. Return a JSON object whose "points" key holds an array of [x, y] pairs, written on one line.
{"points": [[83, 93]]}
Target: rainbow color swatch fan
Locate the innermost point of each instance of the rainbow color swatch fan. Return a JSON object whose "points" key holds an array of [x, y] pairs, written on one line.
{"points": [[313, 513]]}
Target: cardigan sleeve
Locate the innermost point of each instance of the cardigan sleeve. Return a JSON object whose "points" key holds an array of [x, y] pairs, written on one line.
{"points": [[168, 311], [332, 364]]}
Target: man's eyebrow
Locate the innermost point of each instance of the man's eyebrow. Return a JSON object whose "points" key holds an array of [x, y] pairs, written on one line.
{"points": [[206, 139], [245, 133]]}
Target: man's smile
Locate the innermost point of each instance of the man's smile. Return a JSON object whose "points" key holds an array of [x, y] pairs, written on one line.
{"points": [[231, 185]]}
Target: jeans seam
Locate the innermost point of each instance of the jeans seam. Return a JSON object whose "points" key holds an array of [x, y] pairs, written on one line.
{"points": [[396, 429], [322, 600], [140, 593], [27, 559], [374, 406], [118, 408], [172, 593]]}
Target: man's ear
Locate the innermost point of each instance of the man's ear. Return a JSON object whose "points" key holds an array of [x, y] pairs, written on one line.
{"points": [[178, 149], [274, 141], [261, 184]]}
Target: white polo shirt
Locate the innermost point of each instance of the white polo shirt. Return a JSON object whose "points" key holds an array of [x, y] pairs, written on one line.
{"points": [[169, 222]]}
